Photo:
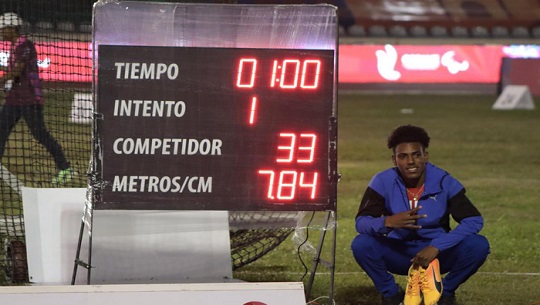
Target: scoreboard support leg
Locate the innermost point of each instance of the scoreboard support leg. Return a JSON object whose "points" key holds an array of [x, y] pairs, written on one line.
{"points": [[331, 263], [88, 212]]}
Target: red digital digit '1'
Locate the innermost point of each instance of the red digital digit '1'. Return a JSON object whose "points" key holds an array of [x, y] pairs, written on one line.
{"points": [[253, 110]]}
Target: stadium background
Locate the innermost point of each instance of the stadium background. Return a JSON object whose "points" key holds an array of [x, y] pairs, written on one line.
{"points": [[62, 31]]}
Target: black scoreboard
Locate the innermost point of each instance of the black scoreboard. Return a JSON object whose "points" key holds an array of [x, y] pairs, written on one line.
{"points": [[215, 128]]}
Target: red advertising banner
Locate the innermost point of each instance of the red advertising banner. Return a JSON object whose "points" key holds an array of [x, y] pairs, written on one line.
{"points": [[71, 61], [66, 61], [419, 63]]}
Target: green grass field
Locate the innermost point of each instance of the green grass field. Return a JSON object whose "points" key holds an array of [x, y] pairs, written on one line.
{"points": [[495, 154]]}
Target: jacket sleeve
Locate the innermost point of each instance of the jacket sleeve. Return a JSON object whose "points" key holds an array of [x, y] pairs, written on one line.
{"points": [[469, 220], [371, 214]]}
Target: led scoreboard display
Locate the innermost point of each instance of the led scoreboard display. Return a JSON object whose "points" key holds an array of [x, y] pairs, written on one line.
{"points": [[215, 128]]}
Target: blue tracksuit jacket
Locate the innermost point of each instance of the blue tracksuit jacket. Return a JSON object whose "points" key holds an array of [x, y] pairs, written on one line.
{"points": [[443, 196]]}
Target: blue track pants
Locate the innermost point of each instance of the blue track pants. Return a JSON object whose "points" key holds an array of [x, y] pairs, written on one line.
{"points": [[381, 256]]}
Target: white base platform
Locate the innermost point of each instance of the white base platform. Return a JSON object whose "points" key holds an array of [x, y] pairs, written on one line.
{"points": [[172, 294]]}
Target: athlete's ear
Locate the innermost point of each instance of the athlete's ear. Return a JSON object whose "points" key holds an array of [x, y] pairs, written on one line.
{"points": [[426, 155], [394, 160]]}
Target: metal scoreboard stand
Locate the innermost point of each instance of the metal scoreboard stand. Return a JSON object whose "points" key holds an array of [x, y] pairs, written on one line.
{"points": [[214, 107]]}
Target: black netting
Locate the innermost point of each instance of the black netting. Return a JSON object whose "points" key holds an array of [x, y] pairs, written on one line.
{"points": [[253, 234], [39, 141], [56, 154], [248, 245]]}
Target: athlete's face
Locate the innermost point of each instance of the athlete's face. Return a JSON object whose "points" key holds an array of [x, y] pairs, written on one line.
{"points": [[411, 159]]}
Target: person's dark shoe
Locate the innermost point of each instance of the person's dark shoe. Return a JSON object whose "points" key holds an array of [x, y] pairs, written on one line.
{"points": [[396, 299], [447, 299]]}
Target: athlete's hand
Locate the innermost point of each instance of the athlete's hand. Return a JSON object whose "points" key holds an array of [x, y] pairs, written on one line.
{"points": [[425, 256], [405, 219]]}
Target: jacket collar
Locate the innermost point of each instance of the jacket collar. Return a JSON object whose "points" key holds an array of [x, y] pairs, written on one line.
{"points": [[432, 183]]}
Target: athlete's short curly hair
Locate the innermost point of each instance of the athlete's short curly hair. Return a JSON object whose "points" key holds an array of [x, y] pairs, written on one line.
{"points": [[408, 134]]}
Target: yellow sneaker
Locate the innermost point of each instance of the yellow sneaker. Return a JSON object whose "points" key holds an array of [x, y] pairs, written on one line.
{"points": [[431, 283], [412, 293], [63, 176]]}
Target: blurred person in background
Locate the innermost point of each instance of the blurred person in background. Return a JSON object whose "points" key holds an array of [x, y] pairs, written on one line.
{"points": [[404, 228], [24, 95]]}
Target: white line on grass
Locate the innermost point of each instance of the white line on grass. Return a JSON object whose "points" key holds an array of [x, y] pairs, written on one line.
{"points": [[360, 272]]}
